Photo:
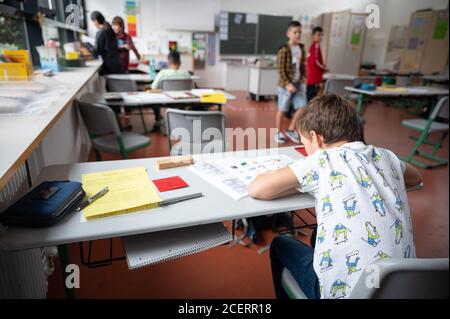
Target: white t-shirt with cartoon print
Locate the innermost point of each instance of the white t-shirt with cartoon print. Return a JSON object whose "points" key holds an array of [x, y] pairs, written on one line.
{"points": [[362, 212]]}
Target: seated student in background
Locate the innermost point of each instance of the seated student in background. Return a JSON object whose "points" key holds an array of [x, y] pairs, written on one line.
{"points": [[106, 45], [173, 72], [315, 67], [291, 79], [124, 42], [361, 203]]}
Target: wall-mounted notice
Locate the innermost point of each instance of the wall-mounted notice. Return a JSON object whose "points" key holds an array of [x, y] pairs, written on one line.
{"points": [[199, 49], [223, 26]]}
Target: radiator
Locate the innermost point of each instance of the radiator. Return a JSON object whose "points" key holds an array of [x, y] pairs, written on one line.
{"points": [[23, 274]]}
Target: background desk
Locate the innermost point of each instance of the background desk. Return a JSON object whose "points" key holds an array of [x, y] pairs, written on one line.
{"points": [[263, 81], [164, 101], [215, 206], [411, 91], [145, 78]]}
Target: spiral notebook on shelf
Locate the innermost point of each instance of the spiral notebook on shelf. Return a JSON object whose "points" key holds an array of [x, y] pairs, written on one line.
{"points": [[152, 248]]}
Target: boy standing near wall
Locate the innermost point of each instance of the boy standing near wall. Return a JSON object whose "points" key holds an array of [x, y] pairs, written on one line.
{"points": [[291, 82]]}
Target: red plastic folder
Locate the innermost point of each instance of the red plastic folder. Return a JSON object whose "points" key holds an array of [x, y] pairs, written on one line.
{"points": [[169, 183]]}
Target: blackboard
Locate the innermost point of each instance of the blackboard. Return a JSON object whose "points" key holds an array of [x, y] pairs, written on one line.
{"points": [[271, 33], [243, 38]]}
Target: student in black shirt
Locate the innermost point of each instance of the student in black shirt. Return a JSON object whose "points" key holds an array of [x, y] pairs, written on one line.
{"points": [[106, 45]]}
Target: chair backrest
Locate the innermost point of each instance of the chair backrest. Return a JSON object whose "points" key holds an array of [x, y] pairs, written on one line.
{"points": [[200, 131], [337, 86], [117, 85], [407, 278], [441, 109], [364, 80], [176, 84], [99, 119]]}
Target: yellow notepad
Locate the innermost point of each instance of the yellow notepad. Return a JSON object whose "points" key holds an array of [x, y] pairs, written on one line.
{"points": [[130, 190], [213, 98], [391, 89]]}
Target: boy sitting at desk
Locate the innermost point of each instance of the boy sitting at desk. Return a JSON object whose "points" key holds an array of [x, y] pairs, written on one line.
{"points": [[361, 204], [173, 72]]}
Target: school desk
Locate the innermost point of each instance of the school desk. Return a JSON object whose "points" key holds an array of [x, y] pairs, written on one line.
{"points": [[162, 100], [137, 77], [416, 92]]}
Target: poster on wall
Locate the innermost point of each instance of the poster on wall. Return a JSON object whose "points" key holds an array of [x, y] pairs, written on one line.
{"points": [[199, 49], [131, 13], [357, 30], [441, 27]]}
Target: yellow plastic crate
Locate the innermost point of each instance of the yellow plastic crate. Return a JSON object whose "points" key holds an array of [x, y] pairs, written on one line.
{"points": [[14, 71]]}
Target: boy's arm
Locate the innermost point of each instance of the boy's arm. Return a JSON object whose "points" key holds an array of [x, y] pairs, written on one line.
{"points": [[411, 176], [276, 184]]}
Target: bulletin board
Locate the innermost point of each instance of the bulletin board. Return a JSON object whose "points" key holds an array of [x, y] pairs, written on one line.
{"points": [[396, 43], [436, 53], [419, 30]]}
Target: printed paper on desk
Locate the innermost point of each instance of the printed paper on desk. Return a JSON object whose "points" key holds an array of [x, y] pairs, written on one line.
{"points": [[232, 175], [200, 92], [130, 190], [142, 97], [169, 183]]}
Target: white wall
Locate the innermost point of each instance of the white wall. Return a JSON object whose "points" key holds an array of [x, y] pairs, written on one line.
{"points": [[392, 12]]}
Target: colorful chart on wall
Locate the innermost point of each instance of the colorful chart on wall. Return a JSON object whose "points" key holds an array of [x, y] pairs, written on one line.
{"points": [[131, 13]]}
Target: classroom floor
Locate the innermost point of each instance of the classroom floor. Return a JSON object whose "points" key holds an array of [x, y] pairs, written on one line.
{"points": [[241, 272]]}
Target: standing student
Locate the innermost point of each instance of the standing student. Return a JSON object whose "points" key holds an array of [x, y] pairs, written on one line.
{"points": [[124, 42], [291, 82], [315, 67], [361, 202], [106, 45]]}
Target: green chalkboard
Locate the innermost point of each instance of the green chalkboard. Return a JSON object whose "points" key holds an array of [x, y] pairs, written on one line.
{"points": [[239, 37], [251, 34], [271, 33]]}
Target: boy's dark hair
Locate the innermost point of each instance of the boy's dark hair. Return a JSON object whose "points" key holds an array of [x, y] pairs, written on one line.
{"points": [[97, 16], [174, 58], [332, 116], [317, 29], [294, 24], [118, 21]]}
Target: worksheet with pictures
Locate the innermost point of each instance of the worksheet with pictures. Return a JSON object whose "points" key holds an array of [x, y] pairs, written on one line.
{"points": [[232, 175]]}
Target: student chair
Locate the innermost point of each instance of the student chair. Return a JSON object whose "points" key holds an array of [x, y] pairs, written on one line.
{"points": [[208, 126], [404, 278], [425, 127], [104, 131], [124, 85], [176, 84]]}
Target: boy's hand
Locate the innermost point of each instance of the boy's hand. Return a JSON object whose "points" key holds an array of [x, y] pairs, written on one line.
{"points": [[291, 88]]}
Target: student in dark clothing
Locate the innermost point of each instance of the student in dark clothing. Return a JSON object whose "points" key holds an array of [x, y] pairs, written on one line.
{"points": [[106, 45], [125, 43]]}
